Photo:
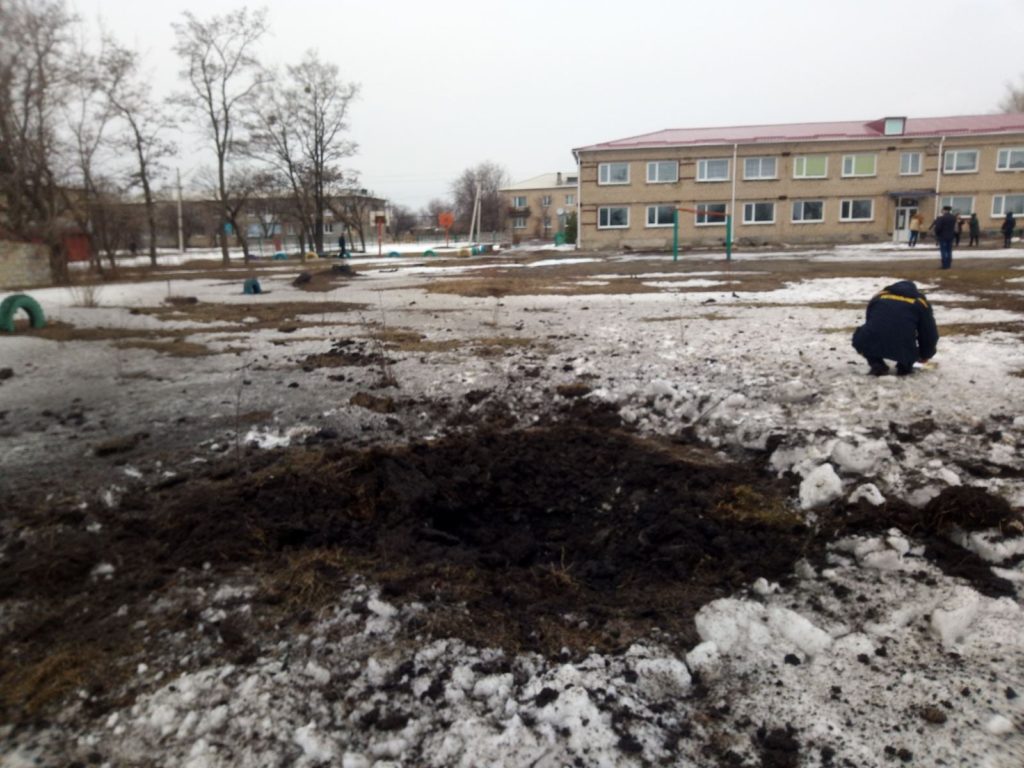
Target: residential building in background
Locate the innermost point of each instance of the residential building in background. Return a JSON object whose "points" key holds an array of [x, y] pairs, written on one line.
{"points": [[803, 183], [538, 207]]}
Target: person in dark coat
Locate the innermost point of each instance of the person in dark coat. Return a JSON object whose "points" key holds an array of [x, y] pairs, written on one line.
{"points": [[341, 245], [1009, 224], [898, 326], [974, 226], [945, 232]]}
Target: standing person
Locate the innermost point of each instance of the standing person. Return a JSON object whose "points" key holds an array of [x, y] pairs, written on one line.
{"points": [[916, 224], [341, 246], [974, 227], [1009, 224], [898, 325], [945, 232], [959, 230]]}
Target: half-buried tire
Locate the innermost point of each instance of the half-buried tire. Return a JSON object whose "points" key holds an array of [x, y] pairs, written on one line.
{"points": [[9, 308]]}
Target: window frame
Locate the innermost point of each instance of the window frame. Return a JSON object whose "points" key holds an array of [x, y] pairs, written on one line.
{"points": [[852, 160], [656, 165], [851, 201], [948, 200], [700, 210], [805, 175], [919, 157], [1009, 151], [610, 208], [519, 201], [955, 153], [702, 170], [656, 207], [570, 199], [604, 170], [545, 201], [753, 205], [1001, 211], [760, 164], [519, 222], [792, 212]]}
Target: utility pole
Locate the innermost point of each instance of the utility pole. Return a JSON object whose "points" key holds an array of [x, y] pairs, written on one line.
{"points": [[181, 226]]}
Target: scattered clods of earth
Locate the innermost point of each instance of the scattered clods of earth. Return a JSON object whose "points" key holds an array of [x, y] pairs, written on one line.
{"points": [[573, 535]]}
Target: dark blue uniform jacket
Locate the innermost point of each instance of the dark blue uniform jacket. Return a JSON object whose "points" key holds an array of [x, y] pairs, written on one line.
{"points": [[899, 326]]}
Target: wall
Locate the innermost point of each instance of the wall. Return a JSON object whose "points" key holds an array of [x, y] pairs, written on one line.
{"points": [[783, 190], [24, 265]]}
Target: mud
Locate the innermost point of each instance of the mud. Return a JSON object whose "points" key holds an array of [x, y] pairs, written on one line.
{"points": [[569, 536]]}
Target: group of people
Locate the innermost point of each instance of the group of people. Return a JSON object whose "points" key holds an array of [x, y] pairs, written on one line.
{"points": [[948, 227]]}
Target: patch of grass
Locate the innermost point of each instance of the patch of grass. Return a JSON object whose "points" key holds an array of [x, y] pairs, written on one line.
{"points": [[747, 504], [174, 348], [51, 678]]}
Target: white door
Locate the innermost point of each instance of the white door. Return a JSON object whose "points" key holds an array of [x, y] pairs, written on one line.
{"points": [[901, 230]]}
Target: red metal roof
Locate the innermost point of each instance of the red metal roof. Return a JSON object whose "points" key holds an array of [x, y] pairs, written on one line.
{"points": [[835, 131]]}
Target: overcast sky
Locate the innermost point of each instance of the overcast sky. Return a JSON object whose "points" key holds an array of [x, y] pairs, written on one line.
{"points": [[448, 84]]}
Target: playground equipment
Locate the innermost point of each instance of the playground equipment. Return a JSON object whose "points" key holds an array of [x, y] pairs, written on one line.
{"points": [[9, 308], [715, 214]]}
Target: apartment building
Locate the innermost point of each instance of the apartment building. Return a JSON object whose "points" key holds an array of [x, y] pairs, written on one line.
{"points": [[844, 182], [537, 208]]}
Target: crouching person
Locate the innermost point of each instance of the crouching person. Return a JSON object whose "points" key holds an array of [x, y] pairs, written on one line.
{"points": [[899, 326]]}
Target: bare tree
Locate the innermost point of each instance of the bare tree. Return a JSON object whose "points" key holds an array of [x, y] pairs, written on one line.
{"points": [[491, 178], [401, 220], [35, 42], [144, 125], [352, 208], [223, 76], [1013, 101], [87, 115], [301, 134], [243, 184]]}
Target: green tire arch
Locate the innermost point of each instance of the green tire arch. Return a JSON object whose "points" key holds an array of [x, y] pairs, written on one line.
{"points": [[9, 308]]}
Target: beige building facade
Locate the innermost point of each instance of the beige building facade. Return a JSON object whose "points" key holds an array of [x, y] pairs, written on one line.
{"points": [[806, 183], [537, 208]]}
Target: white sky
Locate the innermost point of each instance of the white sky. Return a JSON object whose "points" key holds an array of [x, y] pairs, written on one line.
{"points": [[451, 83]]}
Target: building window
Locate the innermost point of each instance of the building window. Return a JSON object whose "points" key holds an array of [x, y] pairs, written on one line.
{"points": [[810, 166], [613, 173], [570, 199], [857, 210], [859, 165], [910, 163], [661, 215], [759, 213], [959, 203], [328, 227], [545, 201], [894, 126], [710, 214], [759, 168], [519, 222], [613, 217], [1010, 159], [1003, 204], [662, 172], [547, 222], [713, 170], [961, 161], [519, 201], [807, 211]]}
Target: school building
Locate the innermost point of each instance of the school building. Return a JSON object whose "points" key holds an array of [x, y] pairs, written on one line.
{"points": [[537, 208], [803, 183]]}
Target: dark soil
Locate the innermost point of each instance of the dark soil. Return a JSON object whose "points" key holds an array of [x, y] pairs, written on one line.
{"points": [[575, 534]]}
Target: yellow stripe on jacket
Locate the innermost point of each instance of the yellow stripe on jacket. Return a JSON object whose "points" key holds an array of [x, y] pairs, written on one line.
{"points": [[907, 299]]}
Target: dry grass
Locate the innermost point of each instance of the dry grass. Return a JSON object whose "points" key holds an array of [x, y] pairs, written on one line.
{"points": [[52, 678], [174, 348], [747, 504]]}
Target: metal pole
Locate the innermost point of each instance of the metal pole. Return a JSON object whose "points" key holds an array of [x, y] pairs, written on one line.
{"points": [[675, 235], [728, 237], [181, 229]]}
